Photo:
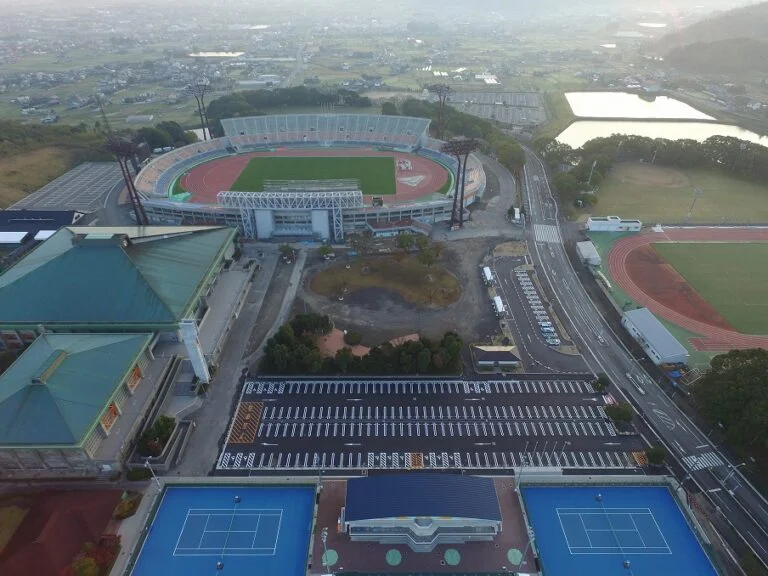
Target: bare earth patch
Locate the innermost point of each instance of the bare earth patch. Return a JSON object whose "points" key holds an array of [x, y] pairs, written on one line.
{"points": [[641, 173], [333, 342], [432, 287]]}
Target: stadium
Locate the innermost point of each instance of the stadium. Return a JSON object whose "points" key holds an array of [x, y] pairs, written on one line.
{"points": [[315, 176]]}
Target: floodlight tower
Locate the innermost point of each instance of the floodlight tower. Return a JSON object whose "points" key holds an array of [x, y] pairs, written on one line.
{"points": [[123, 150], [199, 90], [461, 148], [441, 91]]}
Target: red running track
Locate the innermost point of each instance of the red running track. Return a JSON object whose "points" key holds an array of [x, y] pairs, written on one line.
{"points": [[712, 338], [204, 182]]}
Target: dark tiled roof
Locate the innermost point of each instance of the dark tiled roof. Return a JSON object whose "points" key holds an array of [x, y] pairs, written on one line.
{"points": [[392, 496]]}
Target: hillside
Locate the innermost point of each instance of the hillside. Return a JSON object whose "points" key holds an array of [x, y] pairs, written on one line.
{"points": [[749, 22], [722, 56]]}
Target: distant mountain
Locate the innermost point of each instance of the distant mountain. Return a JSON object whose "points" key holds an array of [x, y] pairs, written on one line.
{"points": [[731, 55], [746, 22]]}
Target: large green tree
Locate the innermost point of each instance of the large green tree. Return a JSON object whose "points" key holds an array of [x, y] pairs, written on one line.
{"points": [[734, 393]]}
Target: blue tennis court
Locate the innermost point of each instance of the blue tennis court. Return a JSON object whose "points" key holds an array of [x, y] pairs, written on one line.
{"points": [[249, 529], [593, 530]]}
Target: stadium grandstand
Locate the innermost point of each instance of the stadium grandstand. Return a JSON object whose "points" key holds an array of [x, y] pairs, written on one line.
{"points": [[314, 209]]}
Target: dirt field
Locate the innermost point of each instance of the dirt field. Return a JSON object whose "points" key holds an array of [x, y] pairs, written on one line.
{"points": [[432, 287], [25, 173], [658, 194], [381, 315]]}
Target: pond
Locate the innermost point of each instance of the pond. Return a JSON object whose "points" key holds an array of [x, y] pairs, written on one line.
{"points": [[626, 105], [582, 131]]}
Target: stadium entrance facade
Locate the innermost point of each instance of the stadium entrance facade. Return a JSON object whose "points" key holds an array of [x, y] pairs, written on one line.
{"points": [[317, 209]]}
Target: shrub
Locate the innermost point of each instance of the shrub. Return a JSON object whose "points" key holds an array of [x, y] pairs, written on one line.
{"points": [[656, 455], [620, 413], [136, 474], [126, 507], [353, 338], [156, 437]]}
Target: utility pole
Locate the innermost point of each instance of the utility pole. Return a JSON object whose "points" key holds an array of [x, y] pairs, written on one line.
{"points": [[696, 193]]}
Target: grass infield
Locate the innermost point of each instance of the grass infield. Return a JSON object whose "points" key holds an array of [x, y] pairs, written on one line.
{"points": [[730, 276], [375, 173], [660, 194]]}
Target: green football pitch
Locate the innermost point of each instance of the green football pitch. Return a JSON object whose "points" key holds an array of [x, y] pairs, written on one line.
{"points": [[375, 173], [731, 276]]}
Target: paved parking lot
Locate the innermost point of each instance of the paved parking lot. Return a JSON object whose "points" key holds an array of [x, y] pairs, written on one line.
{"points": [[521, 108], [526, 306], [84, 188], [364, 424]]}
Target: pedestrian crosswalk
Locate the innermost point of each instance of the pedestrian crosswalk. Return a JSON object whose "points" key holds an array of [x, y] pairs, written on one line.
{"points": [[356, 387], [473, 459], [546, 233], [703, 460]]}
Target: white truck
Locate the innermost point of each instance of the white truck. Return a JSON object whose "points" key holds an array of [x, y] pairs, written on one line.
{"points": [[498, 306], [487, 276]]}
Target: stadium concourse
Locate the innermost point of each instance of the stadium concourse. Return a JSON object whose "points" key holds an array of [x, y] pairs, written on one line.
{"points": [[314, 208]]}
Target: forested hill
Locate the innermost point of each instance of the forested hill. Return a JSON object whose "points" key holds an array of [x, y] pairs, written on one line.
{"points": [[721, 56], [746, 22]]}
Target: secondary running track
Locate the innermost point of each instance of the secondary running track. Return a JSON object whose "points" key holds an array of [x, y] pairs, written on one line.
{"points": [[205, 181], [714, 334]]}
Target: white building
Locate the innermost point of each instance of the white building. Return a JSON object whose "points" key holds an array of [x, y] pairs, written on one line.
{"points": [[660, 345], [612, 224], [588, 253]]}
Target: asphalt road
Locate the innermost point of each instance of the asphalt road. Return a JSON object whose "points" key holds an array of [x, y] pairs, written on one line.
{"points": [[740, 504], [492, 425], [536, 355]]}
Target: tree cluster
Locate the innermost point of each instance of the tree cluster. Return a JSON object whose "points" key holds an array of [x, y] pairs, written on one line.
{"points": [[95, 559], [733, 394], [165, 134], [153, 441], [490, 138], [292, 350], [738, 158], [82, 143], [255, 102]]}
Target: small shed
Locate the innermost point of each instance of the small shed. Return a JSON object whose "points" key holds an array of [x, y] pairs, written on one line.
{"points": [[588, 253]]}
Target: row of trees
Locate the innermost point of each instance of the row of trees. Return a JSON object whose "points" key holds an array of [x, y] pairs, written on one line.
{"points": [[255, 102], [293, 350], [586, 167]]}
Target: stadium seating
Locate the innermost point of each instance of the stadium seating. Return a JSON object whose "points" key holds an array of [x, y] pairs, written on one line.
{"points": [[326, 129]]}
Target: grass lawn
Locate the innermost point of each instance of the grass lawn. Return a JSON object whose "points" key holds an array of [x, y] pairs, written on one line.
{"points": [[24, 173], [432, 287], [375, 173], [657, 194], [730, 276]]}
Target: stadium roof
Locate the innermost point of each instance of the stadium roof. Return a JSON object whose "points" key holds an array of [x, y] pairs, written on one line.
{"points": [[394, 496], [654, 332], [58, 388], [149, 277]]}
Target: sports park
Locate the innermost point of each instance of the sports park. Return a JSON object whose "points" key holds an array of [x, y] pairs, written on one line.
{"points": [[309, 175], [706, 280]]}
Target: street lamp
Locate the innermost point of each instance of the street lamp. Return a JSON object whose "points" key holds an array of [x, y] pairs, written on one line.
{"points": [[154, 476], [523, 460], [324, 540]]}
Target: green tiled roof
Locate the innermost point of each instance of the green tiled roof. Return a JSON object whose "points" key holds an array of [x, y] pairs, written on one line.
{"points": [[87, 276], [58, 388]]}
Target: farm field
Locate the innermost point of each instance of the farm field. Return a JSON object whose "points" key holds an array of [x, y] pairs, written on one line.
{"points": [[375, 173], [731, 277], [659, 194]]}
